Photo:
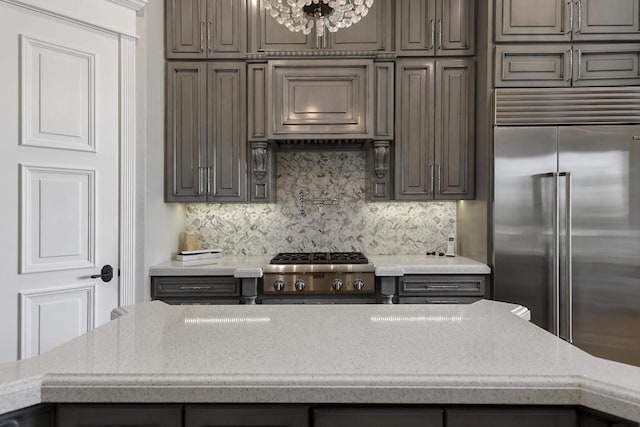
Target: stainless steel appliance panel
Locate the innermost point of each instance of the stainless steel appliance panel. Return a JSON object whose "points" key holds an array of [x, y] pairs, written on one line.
{"points": [[601, 248], [525, 162]]}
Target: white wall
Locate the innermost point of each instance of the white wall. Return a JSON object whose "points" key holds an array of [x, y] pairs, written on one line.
{"points": [[162, 222]]}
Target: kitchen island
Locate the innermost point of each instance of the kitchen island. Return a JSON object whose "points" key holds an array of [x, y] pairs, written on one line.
{"points": [[475, 354]]}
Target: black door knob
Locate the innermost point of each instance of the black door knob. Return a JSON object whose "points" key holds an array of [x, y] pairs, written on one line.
{"points": [[106, 274]]}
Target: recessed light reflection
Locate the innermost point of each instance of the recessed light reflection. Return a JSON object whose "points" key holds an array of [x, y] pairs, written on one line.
{"points": [[224, 320], [416, 319]]}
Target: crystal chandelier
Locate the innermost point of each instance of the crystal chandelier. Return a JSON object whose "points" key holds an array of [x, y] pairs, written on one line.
{"points": [[304, 15]]}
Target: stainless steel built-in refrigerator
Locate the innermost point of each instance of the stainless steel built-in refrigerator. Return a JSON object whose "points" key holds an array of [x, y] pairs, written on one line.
{"points": [[567, 232]]}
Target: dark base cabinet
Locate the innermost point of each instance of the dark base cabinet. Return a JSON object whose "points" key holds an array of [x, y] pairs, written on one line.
{"points": [[377, 417], [108, 415], [246, 416], [34, 416], [306, 415]]}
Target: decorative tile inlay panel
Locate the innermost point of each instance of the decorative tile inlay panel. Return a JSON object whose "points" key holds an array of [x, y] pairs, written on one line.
{"points": [[345, 222]]}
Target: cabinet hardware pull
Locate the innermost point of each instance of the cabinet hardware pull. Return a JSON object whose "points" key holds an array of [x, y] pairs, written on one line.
{"points": [[579, 64], [438, 301], [200, 180], [442, 286], [439, 33], [202, 37], [579, 29], [439, 179], [636, 137], [208, 180], [570, 73], [432, 23], [194, 288], [433, 179], [209, 36], [570, 6]]}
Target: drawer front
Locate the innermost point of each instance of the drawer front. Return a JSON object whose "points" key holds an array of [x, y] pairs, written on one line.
{"points": [[194, 287], [437, 300], [607, 65], [455, 286], [533, 66]]}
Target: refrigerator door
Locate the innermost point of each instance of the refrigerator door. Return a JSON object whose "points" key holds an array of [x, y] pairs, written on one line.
{"points": [[525, 161], [604, 162]]}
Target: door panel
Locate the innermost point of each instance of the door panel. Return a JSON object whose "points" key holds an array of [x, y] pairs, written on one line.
{"points": [[533, 66], [60, 157], [605, 205], [523, 192], [526, 20], [608, 20], [456, 32], [186, 30], [416, 26], [373, 32]]}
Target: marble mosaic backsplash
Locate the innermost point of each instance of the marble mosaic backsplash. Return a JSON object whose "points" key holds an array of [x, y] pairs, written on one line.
{"points": [[346, 223]]}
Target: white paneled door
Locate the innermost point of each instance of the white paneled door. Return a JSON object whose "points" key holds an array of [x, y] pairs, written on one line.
{"points": [[59, 137]]}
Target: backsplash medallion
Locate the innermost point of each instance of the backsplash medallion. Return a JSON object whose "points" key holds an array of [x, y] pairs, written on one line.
{"points": [[407, 228]]}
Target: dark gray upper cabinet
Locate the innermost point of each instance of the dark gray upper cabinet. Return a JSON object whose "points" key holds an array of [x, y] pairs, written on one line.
{"points": [[206, 149], [435, 27], [567, 20], [373, 32], [434, 142], [201, 29], [566, 65]]}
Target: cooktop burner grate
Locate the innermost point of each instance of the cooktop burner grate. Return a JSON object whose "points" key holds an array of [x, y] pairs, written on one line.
{"points": [[320, 258]]}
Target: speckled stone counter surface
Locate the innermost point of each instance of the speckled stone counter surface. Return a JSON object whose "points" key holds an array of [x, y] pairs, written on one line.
{"points": [[434, 354], [386, 265]]}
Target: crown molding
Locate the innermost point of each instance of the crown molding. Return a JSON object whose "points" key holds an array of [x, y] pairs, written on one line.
{"points": [[132, 4]]}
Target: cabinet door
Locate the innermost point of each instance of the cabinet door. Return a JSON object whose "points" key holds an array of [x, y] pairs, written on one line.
{"points": [[226, 28], [511, 417], [533, 66], [42, 415], [415, 129], [268, 35], [456, 27], [377, 417], [108, 415], [226, 132], [607, 20], [373, 32], [186, 115], [606, 65], [246, 415], [186, 28], [455, 124], [539, 20], [416, 27]]}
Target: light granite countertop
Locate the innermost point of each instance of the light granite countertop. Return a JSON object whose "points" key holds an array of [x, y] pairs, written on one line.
{"points": [[432, 354], [386, 265]]}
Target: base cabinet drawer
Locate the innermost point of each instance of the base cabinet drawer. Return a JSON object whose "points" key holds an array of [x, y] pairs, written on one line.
{"points": [[442, 286], [437, 300], [131, 415], [516, 417], [378, 417], [42, 415], [194, 289], [246, 415]]}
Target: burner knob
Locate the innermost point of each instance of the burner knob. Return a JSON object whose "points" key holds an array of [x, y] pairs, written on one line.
{"points": [[278, 285], [336, 284], [358, 284], [300, 285]]}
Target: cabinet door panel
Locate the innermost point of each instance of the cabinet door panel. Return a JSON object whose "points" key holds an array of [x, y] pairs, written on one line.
{"points": [[607, 65], [246, 415], [378, 417], [608, 20], [456, 27], [42, 415], [108, 415], [186, 28], [454, 155], [511, 417], [526, 20], [371, 33], [415, 130], [416, 26], [226, 27], [533, 66], [226, 134], [186, 132], [268, 35]]}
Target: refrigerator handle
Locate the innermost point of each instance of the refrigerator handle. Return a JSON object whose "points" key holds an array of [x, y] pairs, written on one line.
{"points": [[555, 291], [568, 312]]}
